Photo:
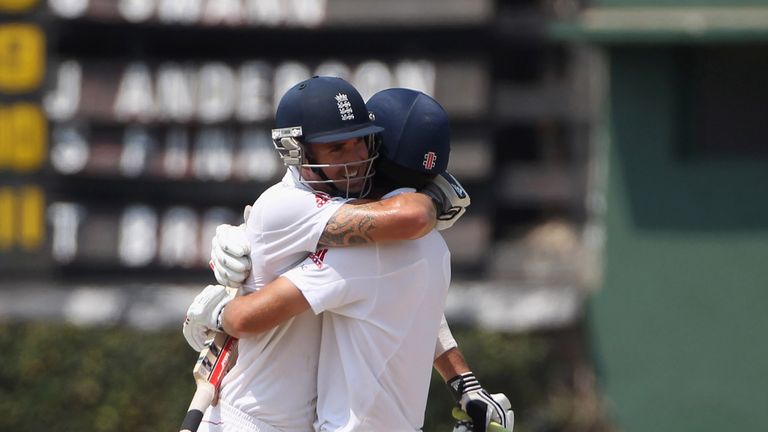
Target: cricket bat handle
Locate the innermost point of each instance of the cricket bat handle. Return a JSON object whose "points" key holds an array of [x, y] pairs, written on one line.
{"points": [[211, 366], [200, 402], [459, 414]]}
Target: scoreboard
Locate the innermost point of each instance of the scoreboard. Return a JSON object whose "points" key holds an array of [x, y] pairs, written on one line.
{"points": [[129, 129], [23, 138]]}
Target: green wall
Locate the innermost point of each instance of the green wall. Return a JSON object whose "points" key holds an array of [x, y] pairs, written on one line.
{"points": [[680, 321]]}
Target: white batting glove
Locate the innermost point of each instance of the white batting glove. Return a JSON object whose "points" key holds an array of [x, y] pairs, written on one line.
{"points": [[230, 260], [480, 407], [230, 253], [465, 424], [450, 198], [204, 313]]}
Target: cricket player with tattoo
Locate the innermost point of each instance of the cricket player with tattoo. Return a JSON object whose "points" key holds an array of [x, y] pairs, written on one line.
{"points": [[273, 384]]}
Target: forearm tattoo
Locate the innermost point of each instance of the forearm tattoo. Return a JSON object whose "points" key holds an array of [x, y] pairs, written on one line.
{"points": [[351, 225]]}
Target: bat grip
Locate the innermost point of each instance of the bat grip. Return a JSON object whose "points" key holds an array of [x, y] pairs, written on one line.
{"points": [[200, 402], [459, 414]]}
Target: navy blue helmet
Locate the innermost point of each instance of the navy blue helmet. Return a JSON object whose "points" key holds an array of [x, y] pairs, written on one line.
{"points": [[328, 109], [323, 110], [416, 140]]}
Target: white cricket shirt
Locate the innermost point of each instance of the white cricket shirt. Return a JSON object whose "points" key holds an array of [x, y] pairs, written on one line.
{"points": [[383, 304], [274, 378]]}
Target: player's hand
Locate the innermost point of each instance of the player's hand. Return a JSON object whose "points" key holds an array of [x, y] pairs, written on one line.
{"points": [[230, 252], [450, 198], [464, 421], [482, 409], [203, 315]]}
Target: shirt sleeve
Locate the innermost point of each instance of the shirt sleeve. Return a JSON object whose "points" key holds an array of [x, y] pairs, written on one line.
{"points": [[320, 283], [445, 340], [294, 219], [398, 192]]}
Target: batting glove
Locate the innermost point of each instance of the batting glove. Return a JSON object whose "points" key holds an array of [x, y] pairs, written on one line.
{"points": [[230, 259], [230, 252], [203, 315], [483, 412], [465, 424], [449, 197]]}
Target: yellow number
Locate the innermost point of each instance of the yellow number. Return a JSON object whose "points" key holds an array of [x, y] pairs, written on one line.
{"points": [[32, 221], [22, 218], [6, 138], [7, 220], [16, 5], [23, 137], [22, 57], [30, 136]]}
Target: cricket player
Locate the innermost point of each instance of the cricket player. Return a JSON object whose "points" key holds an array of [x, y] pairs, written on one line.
{"points": [[329, 155], [383, 301]]}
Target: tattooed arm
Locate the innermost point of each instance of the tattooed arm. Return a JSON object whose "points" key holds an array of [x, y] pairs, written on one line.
{"points": [[406, 216]]}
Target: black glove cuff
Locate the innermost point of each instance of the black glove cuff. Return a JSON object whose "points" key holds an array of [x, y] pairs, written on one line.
{"points": [[461, 384], [219, 324], [437, 199]]}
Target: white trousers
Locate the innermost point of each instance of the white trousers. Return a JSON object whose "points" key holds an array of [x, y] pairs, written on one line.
{"points": [[226, 418]]}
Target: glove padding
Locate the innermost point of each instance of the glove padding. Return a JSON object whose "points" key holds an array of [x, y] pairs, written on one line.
{"points": [[203, 315], [230, 252], [450, 198], [464, 421], [481, 407]]}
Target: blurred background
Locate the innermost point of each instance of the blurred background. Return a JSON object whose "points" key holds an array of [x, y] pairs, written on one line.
{"points": [[609, 275]]}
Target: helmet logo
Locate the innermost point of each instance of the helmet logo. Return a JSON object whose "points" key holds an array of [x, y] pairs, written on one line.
{"points": [[345, 108], [429, 160]]}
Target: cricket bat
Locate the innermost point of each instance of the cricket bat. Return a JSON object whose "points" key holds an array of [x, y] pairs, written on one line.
{"points": [[212, 364]]}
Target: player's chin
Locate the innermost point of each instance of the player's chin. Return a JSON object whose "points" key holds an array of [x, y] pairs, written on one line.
{"points": [[354, 186]]}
